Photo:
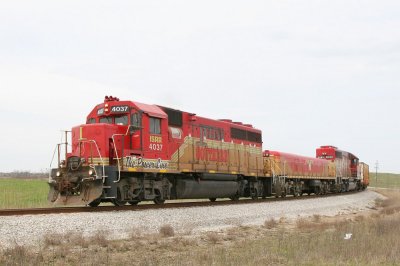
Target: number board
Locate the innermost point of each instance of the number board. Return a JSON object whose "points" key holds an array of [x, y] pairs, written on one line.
{"points": [[120, 109], [100, 111]]}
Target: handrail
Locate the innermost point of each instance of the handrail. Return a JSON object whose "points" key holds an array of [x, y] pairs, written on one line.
{"points": [[66, 152], [57, 148], [52, 159], [116, 152], [101, 158]]}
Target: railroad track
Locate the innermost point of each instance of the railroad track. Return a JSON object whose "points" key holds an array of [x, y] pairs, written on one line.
{"points": [[170, 205]]}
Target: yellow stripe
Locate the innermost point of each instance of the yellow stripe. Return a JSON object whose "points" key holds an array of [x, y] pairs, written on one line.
{"points": [[80, 132]]}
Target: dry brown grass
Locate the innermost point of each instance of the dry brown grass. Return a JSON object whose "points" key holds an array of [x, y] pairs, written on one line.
{"points": [[188, 229], [213, 237], [99, 238], [20, 255], [270, 223], [167, 231], [304, 224], [135, 234], [185, 241], [77, 239], [359, 218], [72, 239], [312, 241], [53, 239], [316, 218], [391, 204]]}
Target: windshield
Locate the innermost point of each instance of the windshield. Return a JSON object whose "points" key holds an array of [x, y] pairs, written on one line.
{"points": [[106, 120], [121, 120]]}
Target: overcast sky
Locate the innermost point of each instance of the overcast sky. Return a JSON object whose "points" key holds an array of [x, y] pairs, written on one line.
{"points": [[307, 73]]}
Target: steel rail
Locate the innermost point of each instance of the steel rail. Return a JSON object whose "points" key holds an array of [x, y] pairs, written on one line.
{"points": [[170, 205]]}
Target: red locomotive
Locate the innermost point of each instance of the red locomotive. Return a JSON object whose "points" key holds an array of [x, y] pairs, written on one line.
{"points": [[129, 152]]}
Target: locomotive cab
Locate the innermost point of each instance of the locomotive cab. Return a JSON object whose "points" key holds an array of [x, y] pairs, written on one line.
{"points": [[116, 135]]}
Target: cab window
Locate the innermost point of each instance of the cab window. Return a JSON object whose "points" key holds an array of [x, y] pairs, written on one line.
{"points": [[121, 120], [106, 120], [91, 121], [135, 120], [155, 125]]}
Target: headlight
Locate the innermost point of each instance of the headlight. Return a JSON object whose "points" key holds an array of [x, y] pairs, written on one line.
{"points": [[91, 172], [58, 174]]}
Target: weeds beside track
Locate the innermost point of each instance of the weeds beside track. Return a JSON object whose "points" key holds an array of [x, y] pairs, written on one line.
{"points": [[308, 241]]}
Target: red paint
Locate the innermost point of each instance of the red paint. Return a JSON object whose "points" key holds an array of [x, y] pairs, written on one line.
{"points": [[140, 141]]}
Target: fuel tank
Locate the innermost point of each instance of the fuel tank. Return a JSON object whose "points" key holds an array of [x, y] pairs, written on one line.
{"points": [[189, 189]]}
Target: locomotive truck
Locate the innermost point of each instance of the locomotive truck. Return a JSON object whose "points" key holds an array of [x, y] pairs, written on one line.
{"points": [[128, 152]]}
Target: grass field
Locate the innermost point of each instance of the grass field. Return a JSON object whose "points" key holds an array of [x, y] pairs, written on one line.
{"points": [[384, 180], [23, 193]]}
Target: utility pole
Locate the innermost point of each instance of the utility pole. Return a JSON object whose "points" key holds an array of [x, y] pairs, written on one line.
{"points": [[376, 172]]}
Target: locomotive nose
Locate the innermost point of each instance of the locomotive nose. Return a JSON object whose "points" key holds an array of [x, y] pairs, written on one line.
{"points": [[74, 163]]}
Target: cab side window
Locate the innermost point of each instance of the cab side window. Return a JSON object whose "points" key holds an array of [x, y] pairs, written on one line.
{"points": [[91, 121], [135, 120], [155, 125]]}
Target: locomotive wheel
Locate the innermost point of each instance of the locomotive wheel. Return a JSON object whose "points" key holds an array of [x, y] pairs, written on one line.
{"points": [[95, 203], [118, 202], [157, 200], [212, 199]]}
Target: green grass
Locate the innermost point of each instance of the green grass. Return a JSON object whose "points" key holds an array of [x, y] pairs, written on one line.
{"points": [[384, 180], [23, 193]]}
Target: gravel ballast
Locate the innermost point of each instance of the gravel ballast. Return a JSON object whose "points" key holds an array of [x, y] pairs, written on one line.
{"points": [[30, 229]]}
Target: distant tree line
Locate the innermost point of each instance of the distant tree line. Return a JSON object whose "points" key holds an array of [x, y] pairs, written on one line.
{"points": [[24, 174]]}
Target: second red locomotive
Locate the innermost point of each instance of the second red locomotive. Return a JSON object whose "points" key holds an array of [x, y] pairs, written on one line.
{"points": [[129, 152]]}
